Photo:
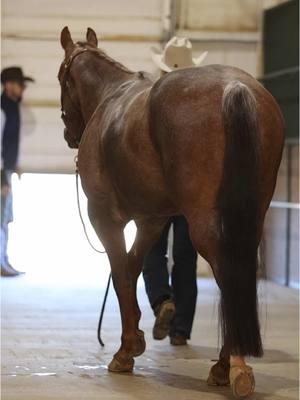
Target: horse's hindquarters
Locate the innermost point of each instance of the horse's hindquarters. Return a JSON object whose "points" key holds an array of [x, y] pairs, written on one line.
{"points": [[220, 153], [187, 130]]}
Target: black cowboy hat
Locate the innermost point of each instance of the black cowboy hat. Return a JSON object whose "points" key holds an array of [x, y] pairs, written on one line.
{"points": [[14, 74]]}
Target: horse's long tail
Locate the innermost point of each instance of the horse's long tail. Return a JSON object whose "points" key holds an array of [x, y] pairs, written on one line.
{"points": [[237, 202]]}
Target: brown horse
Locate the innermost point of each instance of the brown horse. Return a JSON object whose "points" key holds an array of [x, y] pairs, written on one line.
{"points": [[201, 142]]}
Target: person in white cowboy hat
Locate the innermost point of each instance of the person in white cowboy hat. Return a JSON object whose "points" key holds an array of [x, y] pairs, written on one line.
{"points": [[173, 304], [178, 53]]}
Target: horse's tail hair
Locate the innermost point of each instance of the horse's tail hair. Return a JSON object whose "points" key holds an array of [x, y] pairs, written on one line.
{"points": [[238, 211]]}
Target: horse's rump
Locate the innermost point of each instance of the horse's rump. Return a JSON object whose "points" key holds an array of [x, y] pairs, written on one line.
{"points": [[187, 130]]}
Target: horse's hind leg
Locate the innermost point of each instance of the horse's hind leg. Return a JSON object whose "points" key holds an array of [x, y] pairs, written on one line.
{"points": [[241, 377], [203, 236], [231, 367], [111, 235], [234, 371]]}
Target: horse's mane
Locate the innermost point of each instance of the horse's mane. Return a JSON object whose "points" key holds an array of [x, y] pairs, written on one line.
{"points": [[103, 55]]}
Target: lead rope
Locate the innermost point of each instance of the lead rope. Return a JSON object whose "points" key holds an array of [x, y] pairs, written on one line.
{"points": [[98, 251]]}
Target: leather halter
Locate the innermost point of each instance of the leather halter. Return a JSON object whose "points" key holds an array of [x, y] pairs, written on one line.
{"points": [[68, 63], [64, 80]]}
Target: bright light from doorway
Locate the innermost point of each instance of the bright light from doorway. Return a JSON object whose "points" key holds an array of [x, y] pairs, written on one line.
{"points": [[47, 239]]}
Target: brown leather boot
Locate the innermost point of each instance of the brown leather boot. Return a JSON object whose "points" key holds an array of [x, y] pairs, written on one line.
{"points": [[164, 315], [178, 340]]}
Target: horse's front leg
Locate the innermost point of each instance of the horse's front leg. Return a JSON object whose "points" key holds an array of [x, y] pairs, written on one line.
{"points": [[111, 235]]}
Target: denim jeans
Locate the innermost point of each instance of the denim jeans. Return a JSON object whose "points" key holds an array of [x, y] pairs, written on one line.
{"points": [[181, 286], [6, 218]]}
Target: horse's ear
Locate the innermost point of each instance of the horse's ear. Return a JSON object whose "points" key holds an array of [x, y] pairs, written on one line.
{"points": [[65, 39], [91, 37]]}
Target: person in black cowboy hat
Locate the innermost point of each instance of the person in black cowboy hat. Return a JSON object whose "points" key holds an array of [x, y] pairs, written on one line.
{"points": [[13, 83]]}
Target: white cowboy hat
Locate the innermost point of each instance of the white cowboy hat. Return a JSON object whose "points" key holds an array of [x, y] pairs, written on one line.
{"points": [[176, 54]]}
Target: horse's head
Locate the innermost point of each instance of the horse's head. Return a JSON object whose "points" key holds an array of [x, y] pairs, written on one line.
{"points": [[71, 111]]}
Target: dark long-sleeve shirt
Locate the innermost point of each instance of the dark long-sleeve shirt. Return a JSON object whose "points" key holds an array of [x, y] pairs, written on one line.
{"points": [[10, 133]]}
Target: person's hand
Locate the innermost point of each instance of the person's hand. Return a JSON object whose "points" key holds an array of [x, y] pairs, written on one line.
{"points": [[4, 189]]}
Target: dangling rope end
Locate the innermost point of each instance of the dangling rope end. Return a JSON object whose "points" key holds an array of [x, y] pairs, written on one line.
{"points": [[102, 312], [100, 341]]}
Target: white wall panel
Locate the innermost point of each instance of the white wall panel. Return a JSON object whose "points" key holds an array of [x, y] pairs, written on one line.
{"points": [[240, 55], [219, 15], [45, 18]]}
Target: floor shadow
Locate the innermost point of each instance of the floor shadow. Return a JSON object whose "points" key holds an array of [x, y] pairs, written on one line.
{"points": [[153, 369], [191, 352], [184, 382], [275, 356]]}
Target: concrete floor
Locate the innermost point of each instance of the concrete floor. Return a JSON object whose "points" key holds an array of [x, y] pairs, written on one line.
{"points": [[50, 351]]}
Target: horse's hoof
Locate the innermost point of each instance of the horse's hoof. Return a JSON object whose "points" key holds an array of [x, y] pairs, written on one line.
{"points": [[121, 366], [242, 381], [219, 374], [140, 345]]}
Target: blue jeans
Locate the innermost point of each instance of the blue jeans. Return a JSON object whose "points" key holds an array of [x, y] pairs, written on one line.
{"points": [[183, 287], [6, 218]]}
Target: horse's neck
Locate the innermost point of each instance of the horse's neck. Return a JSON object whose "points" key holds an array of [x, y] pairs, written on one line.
{"points": [[100, 83]]}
